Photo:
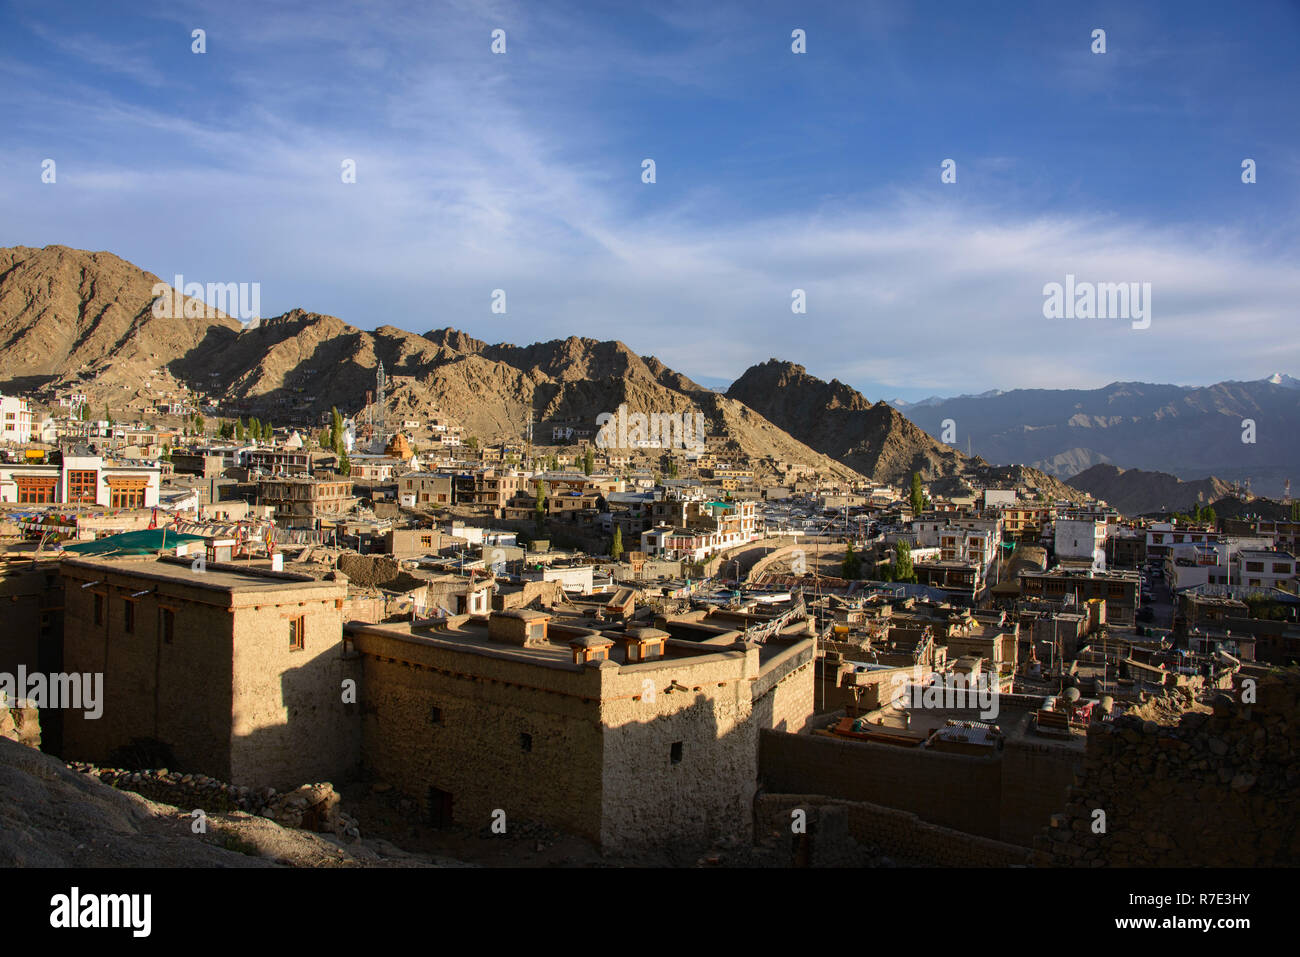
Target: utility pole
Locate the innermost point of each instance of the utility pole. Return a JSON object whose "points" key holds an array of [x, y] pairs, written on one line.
{"points": [[528, 455]]}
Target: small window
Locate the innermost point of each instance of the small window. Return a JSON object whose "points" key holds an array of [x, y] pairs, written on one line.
{"points": [[99, 609], [675, 755], [168, 625], [525, 741], [435, 715], [297, 633], [128, 617]]}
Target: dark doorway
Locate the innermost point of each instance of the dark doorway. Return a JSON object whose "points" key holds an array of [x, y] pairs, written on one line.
{"points": [[439, 807]]}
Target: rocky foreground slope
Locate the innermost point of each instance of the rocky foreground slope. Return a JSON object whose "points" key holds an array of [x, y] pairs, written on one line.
{"points": [[51, 816]]}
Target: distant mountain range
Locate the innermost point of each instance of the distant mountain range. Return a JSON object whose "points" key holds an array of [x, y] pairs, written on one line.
{"points": [[873, 438], [1191, 432]]}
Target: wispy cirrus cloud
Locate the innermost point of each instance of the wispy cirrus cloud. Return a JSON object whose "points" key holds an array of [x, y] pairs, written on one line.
{"points": [[522, 172]]}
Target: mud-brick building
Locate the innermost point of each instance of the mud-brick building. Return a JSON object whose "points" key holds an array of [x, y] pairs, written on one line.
{"points": [[630, 738], [239, 671]]}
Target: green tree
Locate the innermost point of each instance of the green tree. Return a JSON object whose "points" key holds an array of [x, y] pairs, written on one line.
{"points": [[672, 468], [851, 567], [345, 464], [616, 546], [918, 494], [903, 571], [240, 431], [326, 439], [255, 429], [85, 412], [539, 509], [199, 425], [472, 443], [336, 427], [588, 461]]}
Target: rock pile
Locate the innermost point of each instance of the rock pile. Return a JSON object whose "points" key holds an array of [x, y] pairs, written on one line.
{"points": [[21, 724], [1217, 789], [312, 807]]}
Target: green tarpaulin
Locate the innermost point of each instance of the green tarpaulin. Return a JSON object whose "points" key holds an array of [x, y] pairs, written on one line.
{"points": [[148, 542]]}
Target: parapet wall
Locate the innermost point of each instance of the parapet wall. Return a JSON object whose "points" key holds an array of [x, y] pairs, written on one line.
{"points": [[1009, 796], [1214, 790], [955, 791], [899, 834]]}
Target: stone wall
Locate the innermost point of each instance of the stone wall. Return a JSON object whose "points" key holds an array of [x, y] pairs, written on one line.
{"points": [[901, 835], [1213, 790], [954, 791], [1036, 779], [288, 720], [472, 747], [784, 694], [177, 693], [680, 757], [652, 754]]}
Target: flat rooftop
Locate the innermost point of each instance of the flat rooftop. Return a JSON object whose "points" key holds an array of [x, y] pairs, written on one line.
{"points": [[470, 633], [223, 576]]}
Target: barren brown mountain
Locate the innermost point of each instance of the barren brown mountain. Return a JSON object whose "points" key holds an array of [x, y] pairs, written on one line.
{"points": [[79, 320], [873, 439], [1135, 492], [67, 315]]}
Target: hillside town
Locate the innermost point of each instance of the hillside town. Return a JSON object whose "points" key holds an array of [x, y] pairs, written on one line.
{"points": [[645, 645]]}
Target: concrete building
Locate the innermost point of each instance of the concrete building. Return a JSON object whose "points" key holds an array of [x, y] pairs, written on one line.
{"points": [[1258, 568], [1081, 543], [299, 502], [424, 489], [238, 670], [1163, 536], [15, 419], [283, 461], [81, 480], [1119, 589]]}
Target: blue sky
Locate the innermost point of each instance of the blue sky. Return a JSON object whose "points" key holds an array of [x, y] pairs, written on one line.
{"points": [[775, 171]]}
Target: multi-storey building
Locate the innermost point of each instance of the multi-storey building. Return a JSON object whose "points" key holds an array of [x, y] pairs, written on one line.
{"points": [[81, 480], [629, 738], [1119, 589], [299, 501], [237, 671], [1081, 542], [15, 419], [425, 489]]}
